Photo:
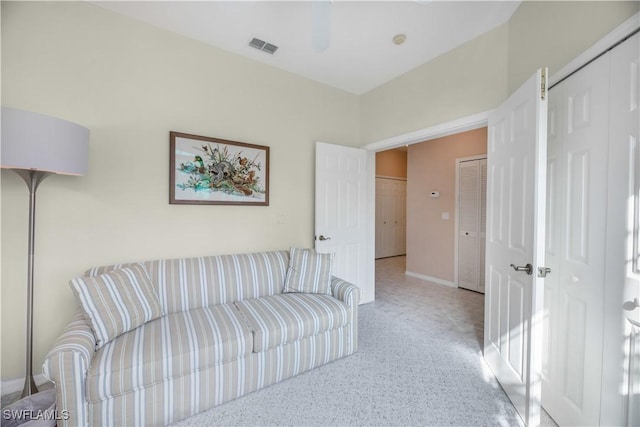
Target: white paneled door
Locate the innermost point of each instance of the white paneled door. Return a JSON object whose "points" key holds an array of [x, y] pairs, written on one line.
{"points": [[577, 218], [622, 314], [516, 163], [342, 212]]}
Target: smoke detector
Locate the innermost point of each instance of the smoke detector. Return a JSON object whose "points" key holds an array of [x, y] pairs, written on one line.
{"points": [[263, 46], [399, 39]]}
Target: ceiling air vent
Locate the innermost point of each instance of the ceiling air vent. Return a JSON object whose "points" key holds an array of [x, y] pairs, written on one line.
{"points": [[263, 46]]}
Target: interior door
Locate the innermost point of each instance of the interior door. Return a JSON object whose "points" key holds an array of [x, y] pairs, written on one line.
{"points": [[516, 164], [621, 358], [344, 184], [577, 143]]}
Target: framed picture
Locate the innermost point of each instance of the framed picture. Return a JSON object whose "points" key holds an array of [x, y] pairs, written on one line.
{"points": [[214, 171]]}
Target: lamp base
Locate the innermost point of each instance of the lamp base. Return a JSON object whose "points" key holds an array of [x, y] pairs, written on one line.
{"points": [[29, 387]]}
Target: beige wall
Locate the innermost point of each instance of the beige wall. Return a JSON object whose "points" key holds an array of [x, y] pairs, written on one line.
{"points": [[432, 167], [552, 33], [480, 74], [392, 163], [469, 79], [130, 84]]}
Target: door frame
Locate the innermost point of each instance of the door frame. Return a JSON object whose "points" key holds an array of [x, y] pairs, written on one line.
{"points": [[457, 213]]}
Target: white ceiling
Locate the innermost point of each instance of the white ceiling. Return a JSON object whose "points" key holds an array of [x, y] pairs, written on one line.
{"points": [[361, 54]]}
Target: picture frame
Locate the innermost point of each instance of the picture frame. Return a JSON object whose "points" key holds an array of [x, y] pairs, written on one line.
{"points": [[214, 171]]}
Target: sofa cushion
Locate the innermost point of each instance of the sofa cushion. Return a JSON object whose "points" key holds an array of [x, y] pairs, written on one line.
{"points": [[116, 302], [308, 272], [281, 319], [186, 283], [166, 348]]}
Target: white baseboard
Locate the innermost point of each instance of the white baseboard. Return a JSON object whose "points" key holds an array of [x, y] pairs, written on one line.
{"points": [[11, 386], [431, 279]]}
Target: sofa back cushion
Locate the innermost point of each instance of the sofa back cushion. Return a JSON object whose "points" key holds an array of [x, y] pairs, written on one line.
{"points": [[309, 272], [186, 283], [117, 301]]}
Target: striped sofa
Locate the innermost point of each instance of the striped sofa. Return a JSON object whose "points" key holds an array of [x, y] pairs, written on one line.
{"points": [[227, 330]]}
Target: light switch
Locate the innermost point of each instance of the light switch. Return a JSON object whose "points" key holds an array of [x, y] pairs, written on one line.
{"points": [[445, 215]]}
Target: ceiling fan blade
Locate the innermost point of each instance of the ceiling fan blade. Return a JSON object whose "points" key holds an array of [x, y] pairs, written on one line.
{"points": [[320, 25]]}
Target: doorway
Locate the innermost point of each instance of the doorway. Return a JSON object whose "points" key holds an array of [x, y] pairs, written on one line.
{"points": [[391, 203]]}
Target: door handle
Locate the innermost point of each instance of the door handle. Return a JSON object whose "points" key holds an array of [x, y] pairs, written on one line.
{"points": [[543, 271], [527, 268], [322, 238]]}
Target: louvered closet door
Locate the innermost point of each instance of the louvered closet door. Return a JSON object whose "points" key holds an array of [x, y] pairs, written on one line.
{"points": [[472, 184]]}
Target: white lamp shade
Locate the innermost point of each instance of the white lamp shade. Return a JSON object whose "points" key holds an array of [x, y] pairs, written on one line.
{"points": [[38, 142]]}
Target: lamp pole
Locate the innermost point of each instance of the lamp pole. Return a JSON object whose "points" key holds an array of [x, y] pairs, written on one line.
{"points": [[32, 178]]}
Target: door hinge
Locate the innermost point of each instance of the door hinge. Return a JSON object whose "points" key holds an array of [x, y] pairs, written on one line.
{"points": [[543, 84]]}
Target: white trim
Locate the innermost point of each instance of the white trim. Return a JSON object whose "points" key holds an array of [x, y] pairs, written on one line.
{"points": [[371, 226], [430, 279], [463, 124], [12, 386], [457, 213], [613, 37]]}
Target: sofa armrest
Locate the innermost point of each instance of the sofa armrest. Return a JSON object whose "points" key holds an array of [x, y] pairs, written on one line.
{"points": [[345, 291], [349, 294], [66, 365]]}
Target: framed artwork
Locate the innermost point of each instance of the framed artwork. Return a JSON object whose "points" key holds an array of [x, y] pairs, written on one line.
{"points": [[214, 171]]}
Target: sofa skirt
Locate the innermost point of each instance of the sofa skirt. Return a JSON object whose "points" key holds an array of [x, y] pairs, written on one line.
{"points": [[177, 398]]}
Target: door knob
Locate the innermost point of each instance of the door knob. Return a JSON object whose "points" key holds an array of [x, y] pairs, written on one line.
{"points": [[631, 305], [543, 271], [527, 268], [322, 238]]}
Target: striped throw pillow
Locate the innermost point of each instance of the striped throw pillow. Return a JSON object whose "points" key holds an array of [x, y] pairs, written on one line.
{"points": [[309, 272], [116, 302]]}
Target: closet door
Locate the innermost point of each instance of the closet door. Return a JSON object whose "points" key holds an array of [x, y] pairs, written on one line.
{"points": [[577, 208], [472, 187], [621, 387], [391, 214]]}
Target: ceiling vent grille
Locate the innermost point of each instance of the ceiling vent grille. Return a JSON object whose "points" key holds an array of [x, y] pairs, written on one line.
{"points": [[263, 46]]}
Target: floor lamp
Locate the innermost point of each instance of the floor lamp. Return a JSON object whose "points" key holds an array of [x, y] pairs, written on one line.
{"points": [[35, 146]]}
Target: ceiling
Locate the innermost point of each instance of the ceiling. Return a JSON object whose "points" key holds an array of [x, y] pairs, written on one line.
{"points": [[360, 54]]}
